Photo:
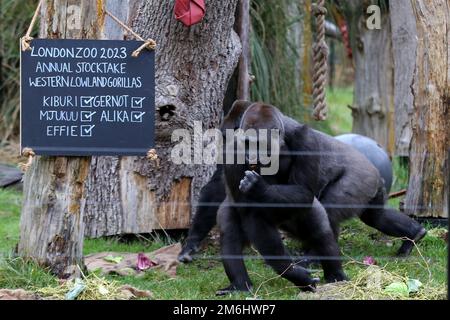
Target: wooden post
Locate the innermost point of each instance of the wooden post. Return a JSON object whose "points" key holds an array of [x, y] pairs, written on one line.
{"points": [[428, 188], [51, 225], [243, 26], [193, 66], [404, 44], [116, 195], [373, 101]]}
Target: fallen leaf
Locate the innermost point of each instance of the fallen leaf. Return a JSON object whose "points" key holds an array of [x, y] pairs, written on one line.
{"points": [[17, 294], [113, 259], [144, 263], [129, 292], [397, 288], [413, 285], [368, 261], [76, 290]]}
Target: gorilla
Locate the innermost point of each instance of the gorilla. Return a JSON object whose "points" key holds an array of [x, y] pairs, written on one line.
{"points": [[320, 183], [213, 193]]}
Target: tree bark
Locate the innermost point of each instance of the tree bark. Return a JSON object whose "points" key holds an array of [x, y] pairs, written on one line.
{"points": [[373, 100], [404, 44], [114, 195], [51, 225], [193, 67], [428, 189], [243, 26]]}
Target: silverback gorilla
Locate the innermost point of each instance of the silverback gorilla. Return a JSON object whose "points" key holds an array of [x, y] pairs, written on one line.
{"points": [[213, 193]]}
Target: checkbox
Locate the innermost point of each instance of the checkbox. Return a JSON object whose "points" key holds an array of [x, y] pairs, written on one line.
{"points": [[136, 102], [86, 130], [86, 116], [136, 116], [86, 101]]}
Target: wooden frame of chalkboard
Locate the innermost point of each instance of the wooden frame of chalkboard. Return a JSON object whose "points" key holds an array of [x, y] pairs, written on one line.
{"points": [[87, 97]]}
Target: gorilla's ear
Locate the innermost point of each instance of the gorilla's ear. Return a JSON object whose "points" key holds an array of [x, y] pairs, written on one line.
{"points": [[233, 118]]}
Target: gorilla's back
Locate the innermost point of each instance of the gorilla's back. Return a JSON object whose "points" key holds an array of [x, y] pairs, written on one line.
{"points": [[338, 159]]}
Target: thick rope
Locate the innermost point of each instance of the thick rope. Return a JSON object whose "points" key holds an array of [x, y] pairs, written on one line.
{"points": [[27, 152], [320, 56], [25, 40], [148, 44]]}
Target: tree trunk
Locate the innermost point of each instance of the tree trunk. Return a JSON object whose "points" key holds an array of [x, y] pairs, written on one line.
{"points": [[428, 189], [243, 26], [115, 195], [373, 100], [404, 44], [52, 220], [193, 66]]}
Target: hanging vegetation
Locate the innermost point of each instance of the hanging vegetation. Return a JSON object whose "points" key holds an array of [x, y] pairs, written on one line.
{"points": [[275, 48], [15, 17], [281, 40]]}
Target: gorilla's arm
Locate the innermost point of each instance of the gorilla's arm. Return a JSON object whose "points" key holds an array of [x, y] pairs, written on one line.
{"points": [[211, 196], [303, 183], [290, 195]]}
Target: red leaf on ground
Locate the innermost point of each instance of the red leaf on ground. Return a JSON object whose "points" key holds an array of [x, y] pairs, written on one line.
{"points": [[144, 263], [369, 261]]}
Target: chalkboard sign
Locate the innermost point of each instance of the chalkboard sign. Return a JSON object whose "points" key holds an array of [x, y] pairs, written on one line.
{"points": [[87, 97]]}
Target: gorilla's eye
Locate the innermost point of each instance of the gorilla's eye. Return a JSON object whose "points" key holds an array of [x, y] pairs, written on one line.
{"points": [[166, 112]]}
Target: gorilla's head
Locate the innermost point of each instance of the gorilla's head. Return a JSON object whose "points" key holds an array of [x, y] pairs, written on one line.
{"points": [[254, 131]]}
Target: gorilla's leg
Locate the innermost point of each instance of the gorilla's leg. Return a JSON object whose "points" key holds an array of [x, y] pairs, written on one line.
{"points": [[267, 240], [323, 243], [393, 223], [211, 195], [232, 240]]}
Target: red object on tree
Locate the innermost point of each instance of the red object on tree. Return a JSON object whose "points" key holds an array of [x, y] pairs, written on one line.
{"points": [[189, 11]]}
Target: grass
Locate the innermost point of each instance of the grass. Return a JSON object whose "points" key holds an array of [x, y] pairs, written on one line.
{"points": [[10, 203], [200, 279], [14, 21], [339, 114]]}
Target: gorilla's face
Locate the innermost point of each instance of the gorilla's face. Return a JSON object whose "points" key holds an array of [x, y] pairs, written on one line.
{"points": [[263, 140]]}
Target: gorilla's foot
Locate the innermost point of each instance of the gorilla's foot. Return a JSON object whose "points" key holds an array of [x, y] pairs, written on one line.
{"points": [[336, 276], [233, 288], [185, 255], [408, 245], [311, 287], [301, 278]]}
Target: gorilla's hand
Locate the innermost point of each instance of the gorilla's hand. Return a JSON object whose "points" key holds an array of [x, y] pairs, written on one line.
{"points": [[252, 181]]}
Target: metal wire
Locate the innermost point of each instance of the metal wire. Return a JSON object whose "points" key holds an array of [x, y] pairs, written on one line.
{"points": [[279, 205], [299, 259]]}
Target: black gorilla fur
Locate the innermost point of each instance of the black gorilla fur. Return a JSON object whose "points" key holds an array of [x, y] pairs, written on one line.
{"points": [[320, 183], [213, 193]]}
